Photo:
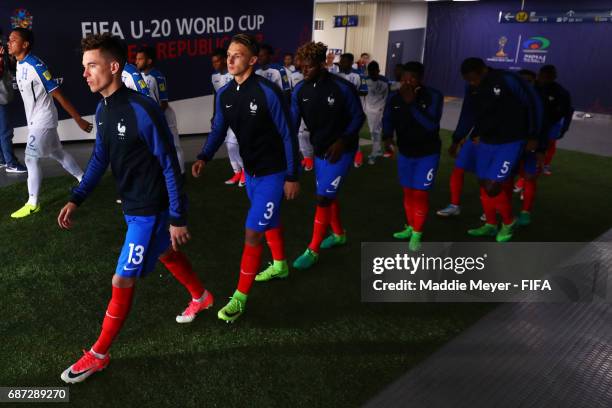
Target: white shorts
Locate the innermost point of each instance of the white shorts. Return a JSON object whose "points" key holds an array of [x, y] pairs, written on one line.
{"points": [[42, 142]]}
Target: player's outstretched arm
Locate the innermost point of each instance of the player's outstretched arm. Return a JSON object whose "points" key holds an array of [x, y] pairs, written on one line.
{"points": [[216, 136], [69, 107]]}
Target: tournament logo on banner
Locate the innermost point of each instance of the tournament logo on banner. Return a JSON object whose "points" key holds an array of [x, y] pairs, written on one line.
{"points": [[21, 19], [501, 55], [535, 50]]}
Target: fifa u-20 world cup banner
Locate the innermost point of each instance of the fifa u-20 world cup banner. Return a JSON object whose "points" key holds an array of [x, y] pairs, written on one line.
{"points": [[184, 33]]}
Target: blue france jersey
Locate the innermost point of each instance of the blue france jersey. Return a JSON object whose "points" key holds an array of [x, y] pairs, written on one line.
{"points": [[35, 84], [132, 78]]}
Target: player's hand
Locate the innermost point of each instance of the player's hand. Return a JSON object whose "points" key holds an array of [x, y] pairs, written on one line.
{"points": [[476, 140], [335, 151], [64, 219], [179, 236], [197, 168], [84, 125], [292, 189], [389, 145], [407, 92], [452, 150], [531, 146]]}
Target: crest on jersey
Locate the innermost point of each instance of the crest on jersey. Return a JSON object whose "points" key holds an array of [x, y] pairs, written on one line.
{"points": [[497, 91], [253, 107], [21, 19], [331, 100], [121, 128]]}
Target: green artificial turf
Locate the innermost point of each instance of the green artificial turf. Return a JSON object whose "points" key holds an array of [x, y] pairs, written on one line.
{"points": [[304, 341]]}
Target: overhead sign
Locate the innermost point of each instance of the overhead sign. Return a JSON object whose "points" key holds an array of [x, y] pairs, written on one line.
{"points": [[346, 21], [556, 17]]}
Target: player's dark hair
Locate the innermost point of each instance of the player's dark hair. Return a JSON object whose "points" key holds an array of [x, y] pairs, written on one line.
{"points": [[149, 52], [365, 53], [108, 44], [373, 65], [348, 56], [415, 68], [527, 72], [248, 41], [25, 34], [549, 70], [312, 51], [472, 64], [267, 48], [219, 52], [290, 54]]}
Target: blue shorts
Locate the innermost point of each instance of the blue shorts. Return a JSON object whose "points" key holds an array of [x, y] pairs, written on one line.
{"points": [[467, 157], [418, 173], [330, 176], [146, 239], [554, 133], [496, 162], [266, 195]]}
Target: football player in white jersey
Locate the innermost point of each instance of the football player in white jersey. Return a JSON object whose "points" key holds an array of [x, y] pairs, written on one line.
{"points": [[353, 76], [374, 106], [132, 78], [288, 63], [220, 77], [156, 82], [303, 134], [272, 71], [38, 89], [329, 63]]}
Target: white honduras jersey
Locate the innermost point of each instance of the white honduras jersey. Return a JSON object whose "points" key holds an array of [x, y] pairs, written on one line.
{"points": [[276, 74], [377, 94], [290, 69], [132, 78], [156, 82], [296, 77], [219, 79], [35, 85], [353, 77], [334, 69]]}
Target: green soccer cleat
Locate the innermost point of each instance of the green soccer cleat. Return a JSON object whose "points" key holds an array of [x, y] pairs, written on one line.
{"points": [[234, 308], [306, 260], [405, 234], [415, 241], [505, 232], [487, 230], [26, 210], [333, 240], [524, 218], [276, 270]]}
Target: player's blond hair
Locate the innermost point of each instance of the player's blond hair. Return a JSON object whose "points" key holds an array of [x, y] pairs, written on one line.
{"points": [[312, 51]]}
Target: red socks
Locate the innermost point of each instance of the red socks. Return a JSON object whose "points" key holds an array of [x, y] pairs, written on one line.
{"points": [[550, 152], [180, 267], [116, 313], [251, 259], [420, 209], [321, 224], [408, 209], [488, 205], [529, 194], [336, 224], [274, 237], [456, 185]]}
